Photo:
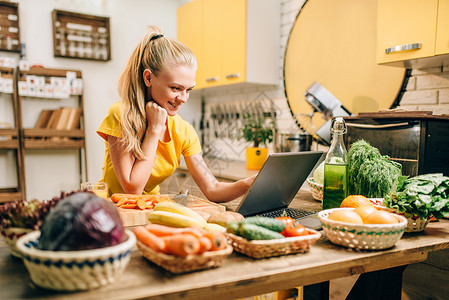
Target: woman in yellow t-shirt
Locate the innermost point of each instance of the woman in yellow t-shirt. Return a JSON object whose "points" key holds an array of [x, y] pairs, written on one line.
{"points": [[144, 136]]}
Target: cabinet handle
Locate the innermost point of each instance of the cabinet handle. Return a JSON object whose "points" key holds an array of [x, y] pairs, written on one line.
{"points": [[372, 126], [212, 79], [402, 48], [235, 75]]}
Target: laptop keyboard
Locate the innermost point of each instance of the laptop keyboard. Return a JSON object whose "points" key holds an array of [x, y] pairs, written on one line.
{"points": [[293, 213]]}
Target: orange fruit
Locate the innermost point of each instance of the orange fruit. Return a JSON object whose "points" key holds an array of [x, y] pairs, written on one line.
{"points": [[356, 201], [365, 211], [381, 217], [346, 216]]}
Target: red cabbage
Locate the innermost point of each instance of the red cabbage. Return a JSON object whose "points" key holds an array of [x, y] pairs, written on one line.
{"points": [[81, 221]]}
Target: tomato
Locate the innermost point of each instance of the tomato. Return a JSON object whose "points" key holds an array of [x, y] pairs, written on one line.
{"points": [[294, 230], [286, 220]]}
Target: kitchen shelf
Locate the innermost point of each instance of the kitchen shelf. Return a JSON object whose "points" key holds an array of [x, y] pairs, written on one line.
{"points": [[53, 139], [81, 36], [9, 27], [10, 141], [10, 195], [49, 137]]}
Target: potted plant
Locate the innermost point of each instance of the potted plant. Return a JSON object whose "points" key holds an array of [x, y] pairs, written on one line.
{"points": [[258, 130]]}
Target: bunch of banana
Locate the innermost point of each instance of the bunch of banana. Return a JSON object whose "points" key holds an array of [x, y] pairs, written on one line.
{"points": [[176, 215]]}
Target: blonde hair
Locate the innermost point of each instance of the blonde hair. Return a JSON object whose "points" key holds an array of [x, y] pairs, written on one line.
{"points": [[153, 52]]}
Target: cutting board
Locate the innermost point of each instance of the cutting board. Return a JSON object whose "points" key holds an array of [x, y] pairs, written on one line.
{"points": [[135, 217]]}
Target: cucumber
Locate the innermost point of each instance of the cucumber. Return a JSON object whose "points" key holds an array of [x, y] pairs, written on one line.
{"points": [[256, 232], [269, 223], [233, 227]]}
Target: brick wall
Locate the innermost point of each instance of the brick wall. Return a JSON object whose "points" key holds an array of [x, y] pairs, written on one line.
{"points": [[427, 90]]}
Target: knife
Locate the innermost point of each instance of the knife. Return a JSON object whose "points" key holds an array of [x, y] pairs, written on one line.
{"points": [[181, 198]]}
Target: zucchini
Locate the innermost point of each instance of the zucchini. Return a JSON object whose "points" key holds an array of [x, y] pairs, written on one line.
{"points": [[233, 227], [256, 232], [269, 223]]}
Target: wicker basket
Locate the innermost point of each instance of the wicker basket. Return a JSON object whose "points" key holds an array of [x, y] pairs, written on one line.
{"points": [[316, 189], [277, 247], [11, 235], [176, 264], [363, 236], [74, 270], [414, 224]]}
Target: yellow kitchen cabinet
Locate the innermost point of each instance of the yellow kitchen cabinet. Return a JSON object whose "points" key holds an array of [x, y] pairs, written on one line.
{"points": [[413, 33], [442, 39], [235, 41]]}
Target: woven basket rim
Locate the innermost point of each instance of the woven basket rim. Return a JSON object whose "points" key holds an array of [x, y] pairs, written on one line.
{"points": [[312, 236], [311, 181], [323, 216], [77, 254]]}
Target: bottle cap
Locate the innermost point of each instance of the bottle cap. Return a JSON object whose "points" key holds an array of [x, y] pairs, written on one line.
{"points": [[338, 125]]}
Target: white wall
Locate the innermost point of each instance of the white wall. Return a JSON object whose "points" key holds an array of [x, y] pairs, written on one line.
{"points": [[47, 173]]}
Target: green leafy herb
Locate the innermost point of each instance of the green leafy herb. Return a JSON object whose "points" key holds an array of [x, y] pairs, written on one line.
{"points": [[371, 174], [27, 214], [424, 196]]}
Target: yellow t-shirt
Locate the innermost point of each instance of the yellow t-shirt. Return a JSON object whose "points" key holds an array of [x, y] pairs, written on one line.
{"points": [[183, 140]]}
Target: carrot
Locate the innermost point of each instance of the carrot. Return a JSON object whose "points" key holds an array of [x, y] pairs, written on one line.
{"points": [[205, 244], [141, 203], [128, 205], [122, 201], [149, 197], [163, 230], [195, 231], [117, 197], [149, 205], [217, 239], [181, 244], [149, 239]]}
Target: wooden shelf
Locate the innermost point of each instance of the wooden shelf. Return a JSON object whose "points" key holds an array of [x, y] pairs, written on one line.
{"points": [[9, 27], [9, 195], [81, 36], [43, 138], [39, 71], [53, 139], [9, 144], [10, 138], [9, 132], [51, 144], [43, 133]]}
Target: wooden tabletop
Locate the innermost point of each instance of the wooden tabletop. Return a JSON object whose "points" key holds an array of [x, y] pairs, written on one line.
{"points": [[239, 276]]}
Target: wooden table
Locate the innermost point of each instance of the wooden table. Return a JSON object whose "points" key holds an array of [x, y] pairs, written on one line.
{"points": [[239, 276]]}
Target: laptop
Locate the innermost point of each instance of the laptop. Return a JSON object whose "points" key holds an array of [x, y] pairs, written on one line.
{"points": [[277, 184]]}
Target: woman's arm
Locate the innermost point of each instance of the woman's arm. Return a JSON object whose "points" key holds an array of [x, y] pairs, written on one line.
{"points": [[213, 189], [133, 174]]}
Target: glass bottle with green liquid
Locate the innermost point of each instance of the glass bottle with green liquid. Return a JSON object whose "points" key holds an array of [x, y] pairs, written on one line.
{"points": [[336, 167]]}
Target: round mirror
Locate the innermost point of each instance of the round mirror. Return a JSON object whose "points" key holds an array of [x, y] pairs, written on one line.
{"points": [[333, 43]]}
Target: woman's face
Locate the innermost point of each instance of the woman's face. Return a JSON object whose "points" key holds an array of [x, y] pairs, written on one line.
{"points": [[171, 87]]}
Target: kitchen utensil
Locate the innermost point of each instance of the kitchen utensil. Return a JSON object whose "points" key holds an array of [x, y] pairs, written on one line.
{"points": [[181, 198], [294, 142]]}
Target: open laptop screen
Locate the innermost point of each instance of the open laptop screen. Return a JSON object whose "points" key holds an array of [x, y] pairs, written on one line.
{"points": [[278, 182]]}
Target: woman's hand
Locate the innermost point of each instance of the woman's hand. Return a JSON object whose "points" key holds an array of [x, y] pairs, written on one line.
{"points": [[156, 117], [248, 181]]}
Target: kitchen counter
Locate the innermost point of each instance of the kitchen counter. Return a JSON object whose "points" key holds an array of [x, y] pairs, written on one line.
{"points": [[241, 276]]}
